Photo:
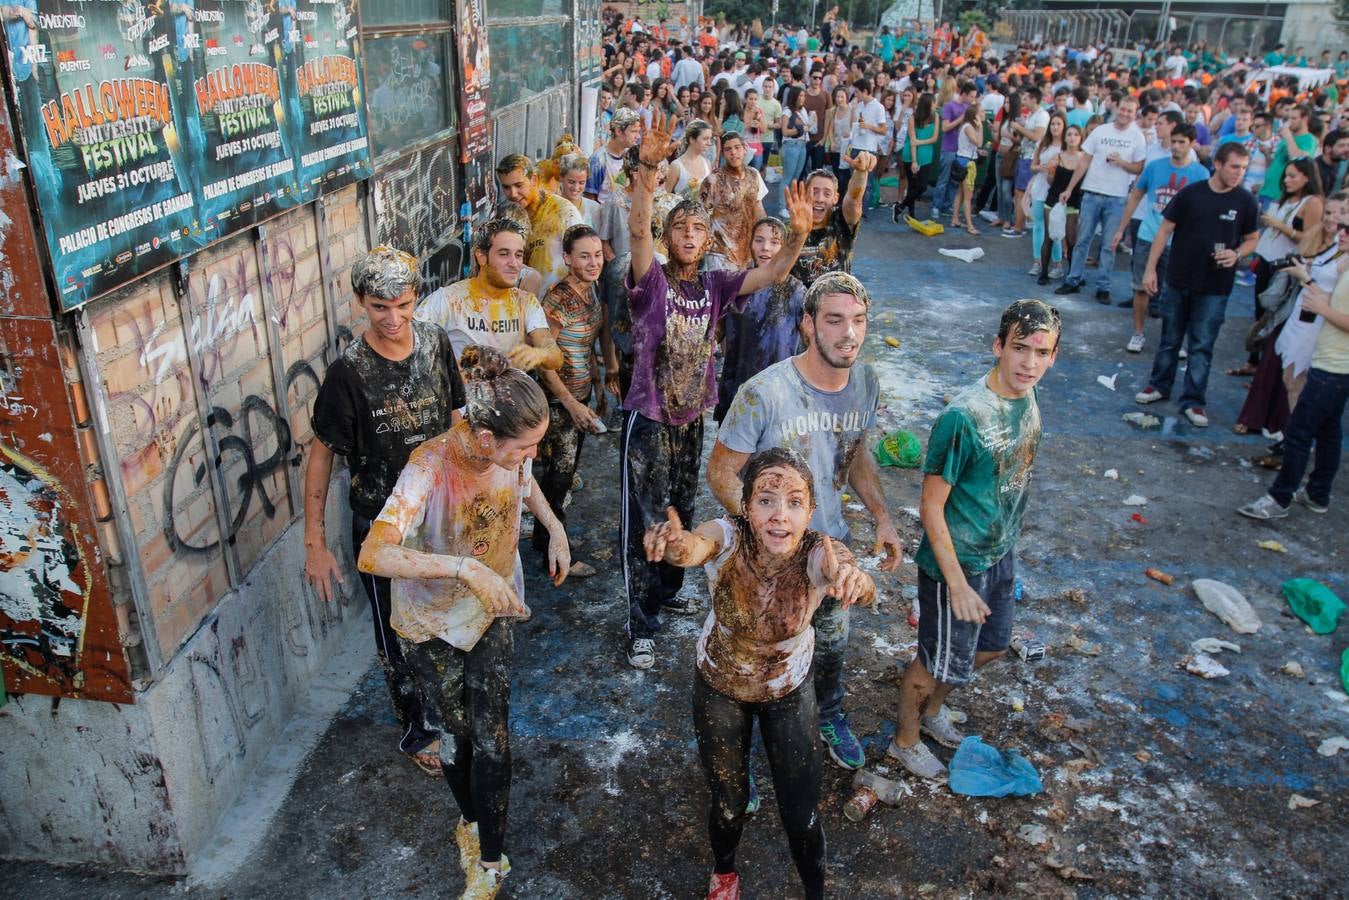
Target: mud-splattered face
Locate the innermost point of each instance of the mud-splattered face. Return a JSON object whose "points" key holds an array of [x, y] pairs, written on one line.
{"points": [[766, 244], [509, 452], [779, 510], [1024, 359], [389, 318], [502, 264], [573, 185], [688, 238], [519, 187], [734, 154], [837, 329], [823, 197], [586, 259]]}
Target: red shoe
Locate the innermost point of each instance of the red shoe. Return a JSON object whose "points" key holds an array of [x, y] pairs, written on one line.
{"points": [[724, 887]]}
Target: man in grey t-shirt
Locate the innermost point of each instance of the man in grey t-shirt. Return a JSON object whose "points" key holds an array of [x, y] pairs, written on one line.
{"points": [[821, 405]]}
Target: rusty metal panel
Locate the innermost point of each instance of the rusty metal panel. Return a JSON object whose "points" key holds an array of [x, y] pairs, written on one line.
{"points": [[58, 628], [22, 289]]}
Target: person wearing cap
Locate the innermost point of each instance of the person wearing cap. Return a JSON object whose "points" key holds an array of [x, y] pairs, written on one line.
{"points": [[606, 163]]}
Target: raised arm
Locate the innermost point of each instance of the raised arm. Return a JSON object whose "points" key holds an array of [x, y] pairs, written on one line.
{"points": [[862, 165], [655, 149], [798, 204]]}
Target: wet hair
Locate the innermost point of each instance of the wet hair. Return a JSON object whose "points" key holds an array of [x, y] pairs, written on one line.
{"points": [[1029, 316], [688, 208], [572, 162], [488, 233], [576, 233], [780, 458], [505, 401], [515, 162], [834, 283], [515, 212], [385, 273], [772, 222]]}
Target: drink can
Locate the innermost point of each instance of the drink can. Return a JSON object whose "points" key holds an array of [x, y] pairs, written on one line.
{"points": [[861, 803]]}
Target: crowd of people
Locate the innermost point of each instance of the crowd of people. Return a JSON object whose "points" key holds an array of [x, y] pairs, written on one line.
{"points": [[697, 260]]}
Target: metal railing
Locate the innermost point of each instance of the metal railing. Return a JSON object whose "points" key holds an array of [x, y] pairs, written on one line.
{"points": [[1079, 28]]}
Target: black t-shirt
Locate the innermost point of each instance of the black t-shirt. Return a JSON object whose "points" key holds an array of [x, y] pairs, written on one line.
{"points": [[1205, 218], [376, 411], [828, 248]]}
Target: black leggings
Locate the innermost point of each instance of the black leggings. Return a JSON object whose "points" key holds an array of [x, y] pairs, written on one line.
{"points": [[917, 184], [472, 691], [790, 736]]}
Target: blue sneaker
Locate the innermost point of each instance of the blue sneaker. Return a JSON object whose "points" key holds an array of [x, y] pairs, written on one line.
{"points": [[844, 748]]}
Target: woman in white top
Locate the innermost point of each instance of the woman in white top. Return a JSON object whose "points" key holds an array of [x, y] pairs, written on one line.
{"points": [[969, 143], [572, 172], [1322, 265], [1044, 162], [691, 167], [838, 122]]}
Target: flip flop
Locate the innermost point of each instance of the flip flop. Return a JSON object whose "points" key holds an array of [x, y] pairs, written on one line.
{"points": [[429, 762]]}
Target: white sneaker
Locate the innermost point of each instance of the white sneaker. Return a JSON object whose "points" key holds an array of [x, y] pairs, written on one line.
{"points": [[941, 730], [917, 759], [1034, 270], [1197, 417], [1056, 272], [1301, 496], [1184, 354], [642, 653], [1136, 344], [988, 215], [1264, 508], [1148, 395]]}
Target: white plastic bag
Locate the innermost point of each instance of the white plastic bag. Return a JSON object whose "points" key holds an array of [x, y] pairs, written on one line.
{"points": [[1058, 221], [1227, 603]]}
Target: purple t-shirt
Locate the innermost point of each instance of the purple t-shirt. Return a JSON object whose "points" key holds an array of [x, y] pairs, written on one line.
{"points": [[952, 111], [673, 330]]}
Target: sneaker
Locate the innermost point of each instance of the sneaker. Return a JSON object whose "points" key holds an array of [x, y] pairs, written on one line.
{"points": [[1012, 233], [917, 759], [1149, 394], [1056, 272], [1301, 496], [641, 653], [1034, 269], [956, 716], [1196, 416], [894, 213], [1067, 287], [483, 883], [680, 605], [724, 887], [989, 215], [1103, 297], [844, 748], [1264, 508], [940, 729], [1136, 344], [752, 805], [470, 851]]}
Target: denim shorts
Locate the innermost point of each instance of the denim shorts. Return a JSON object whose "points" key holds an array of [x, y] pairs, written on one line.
{"points": [[947, 645], [1138, 265]]}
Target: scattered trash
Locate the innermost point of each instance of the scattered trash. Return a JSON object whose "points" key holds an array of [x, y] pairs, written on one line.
{"points": [[899, 448], [1313, 603], [1297, 801], [1142, 420], [1213, 645], [1135, 500], [1075, 642], [1227, 603], [602, 554], [1143, 756], [1027, 645], [1333, 745], [1294, 669], [1201, 452], [1139, 518], [1107, 383], [1035, 835], [1273, 546], [1203, 665], [1018, 591], [981, 770], [1159, 575], [1066, 870], [1112, 474], [891, 341], [1076, 595], [868, 787], [968, 256], [1018, 703]]}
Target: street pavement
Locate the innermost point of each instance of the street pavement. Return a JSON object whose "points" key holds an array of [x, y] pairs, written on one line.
{"points": [[1157, 782]]}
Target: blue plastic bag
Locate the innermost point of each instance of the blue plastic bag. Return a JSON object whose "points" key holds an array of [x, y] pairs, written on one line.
{"points": [[978, 770]]}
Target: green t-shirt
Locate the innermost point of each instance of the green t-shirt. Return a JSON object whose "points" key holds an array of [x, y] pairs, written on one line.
{"points": [[982, 445], [1273, 186]]}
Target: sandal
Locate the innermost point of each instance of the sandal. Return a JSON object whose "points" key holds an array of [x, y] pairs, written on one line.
{"points": [[972, 230], [1269, 460], [428, 760], [1242, 371]]}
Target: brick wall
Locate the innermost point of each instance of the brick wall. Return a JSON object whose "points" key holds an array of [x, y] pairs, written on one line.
{"points": [[210, 372]]}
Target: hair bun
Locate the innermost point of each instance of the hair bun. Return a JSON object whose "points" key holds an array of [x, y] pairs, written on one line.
{"points": [[482, 363]]}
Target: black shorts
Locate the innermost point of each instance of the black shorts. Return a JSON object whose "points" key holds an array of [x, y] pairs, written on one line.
{"points": [[946, 644]]}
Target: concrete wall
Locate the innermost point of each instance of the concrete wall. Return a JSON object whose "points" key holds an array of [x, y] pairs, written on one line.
{"points": [[142, 786], [1311, 25]]}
